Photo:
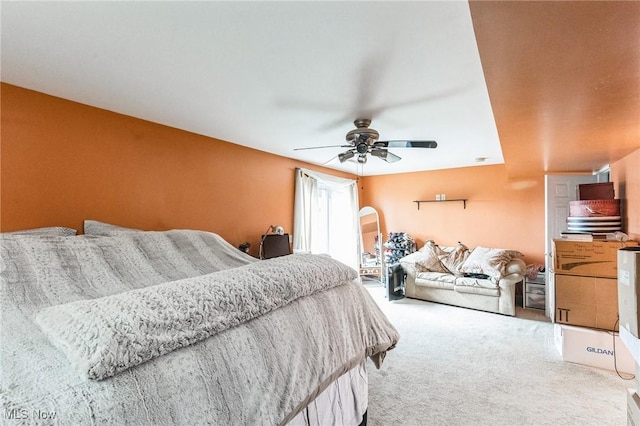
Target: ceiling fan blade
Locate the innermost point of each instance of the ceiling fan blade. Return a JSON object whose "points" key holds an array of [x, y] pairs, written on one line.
{"points": [[331, 160], [406, 144], [385, 155], [326, 146], [391, 157]]}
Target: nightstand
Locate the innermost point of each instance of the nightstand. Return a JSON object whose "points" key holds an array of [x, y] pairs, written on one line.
{"points": [[534, 292]]}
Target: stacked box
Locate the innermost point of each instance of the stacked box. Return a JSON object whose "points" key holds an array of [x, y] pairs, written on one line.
{"points": [[587, 301], [586, 287], [588, 258], [595, 348]]}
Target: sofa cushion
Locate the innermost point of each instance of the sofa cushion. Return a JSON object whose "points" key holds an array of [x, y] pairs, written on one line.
{"points": [[435, 280], [489, 261], [477, 290], [475, 282]]}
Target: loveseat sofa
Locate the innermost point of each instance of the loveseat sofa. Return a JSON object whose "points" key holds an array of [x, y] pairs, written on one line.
{"points": [[482, 278]]}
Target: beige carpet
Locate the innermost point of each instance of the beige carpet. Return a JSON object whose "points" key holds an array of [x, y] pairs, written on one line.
{"points": [[456, 366]]}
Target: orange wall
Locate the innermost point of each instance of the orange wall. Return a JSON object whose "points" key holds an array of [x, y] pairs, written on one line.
{"points": [[499, 213], [625, 174], [63, 162]]}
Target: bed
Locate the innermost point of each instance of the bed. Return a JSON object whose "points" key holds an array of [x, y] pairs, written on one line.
{"points": [[121, 326]]}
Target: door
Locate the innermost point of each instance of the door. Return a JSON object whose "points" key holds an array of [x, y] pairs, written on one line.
{"points": [[559, 190]]}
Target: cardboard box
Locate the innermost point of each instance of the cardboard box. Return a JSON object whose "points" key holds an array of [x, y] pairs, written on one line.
{"points": [[586, 301], [594, 348], [588, 258], [628, 284]]}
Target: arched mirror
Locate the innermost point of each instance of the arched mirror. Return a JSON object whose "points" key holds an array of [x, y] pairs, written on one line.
{"points": [[370, 244]]}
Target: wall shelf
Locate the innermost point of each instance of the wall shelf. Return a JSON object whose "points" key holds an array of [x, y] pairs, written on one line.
{"points": [[463, 200]]}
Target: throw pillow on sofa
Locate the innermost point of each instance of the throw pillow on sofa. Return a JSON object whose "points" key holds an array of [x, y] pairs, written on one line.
{"points": [[447, 261], [454, 260], [429, 260], [489, 261]]}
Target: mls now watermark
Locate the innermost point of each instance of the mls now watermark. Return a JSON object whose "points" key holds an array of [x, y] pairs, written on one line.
{"points": [[25, 414]]}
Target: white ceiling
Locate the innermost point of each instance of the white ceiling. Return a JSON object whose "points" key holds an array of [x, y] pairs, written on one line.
{"points": [[273, 76]]}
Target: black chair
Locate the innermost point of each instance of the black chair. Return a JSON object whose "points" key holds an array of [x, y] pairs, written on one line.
{"points": [[274, 245]]}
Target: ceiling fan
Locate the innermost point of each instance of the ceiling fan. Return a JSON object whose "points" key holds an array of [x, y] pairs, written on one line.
{"points": [[364, 140]]}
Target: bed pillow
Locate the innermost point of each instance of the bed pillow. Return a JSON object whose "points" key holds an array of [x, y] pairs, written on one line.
{"points": [[94, 227], [51, 231], [489, 261]]}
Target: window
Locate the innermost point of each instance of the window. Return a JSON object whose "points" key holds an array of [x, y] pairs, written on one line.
{"points": [[326, 216]]}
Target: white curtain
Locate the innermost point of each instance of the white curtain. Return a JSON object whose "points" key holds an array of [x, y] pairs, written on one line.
{"points": [[326, 216]]}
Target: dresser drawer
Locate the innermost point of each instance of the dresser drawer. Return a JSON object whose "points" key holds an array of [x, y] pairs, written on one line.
{"points": [[535, 288], [534, 300], [534, 294], [539, 279]]}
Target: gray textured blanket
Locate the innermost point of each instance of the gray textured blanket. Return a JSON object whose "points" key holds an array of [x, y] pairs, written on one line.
{"points": [[105, 336], [258, 372]]}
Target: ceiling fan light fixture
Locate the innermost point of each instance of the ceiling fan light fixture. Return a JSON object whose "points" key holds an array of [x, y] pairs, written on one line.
{"points": [[362, 158], [345, 156], [362, 148]]}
